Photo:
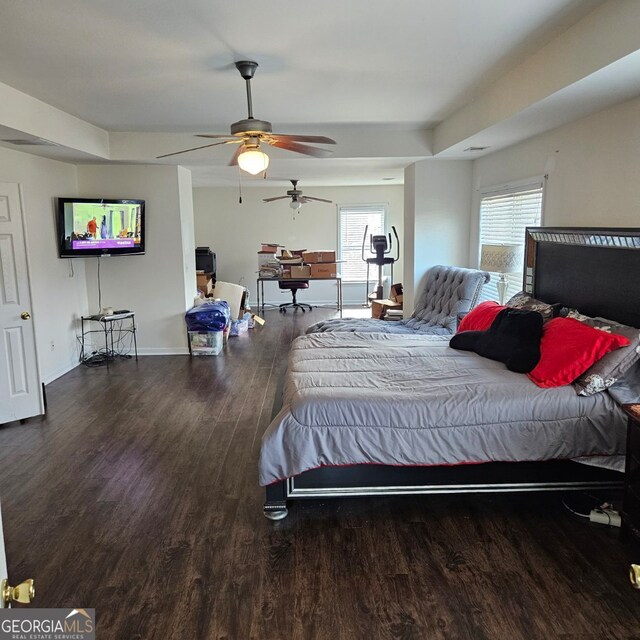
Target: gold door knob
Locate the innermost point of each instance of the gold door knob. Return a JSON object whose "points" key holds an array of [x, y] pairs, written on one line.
{"points": [[25, 315], [634, 575], [24, 593]]}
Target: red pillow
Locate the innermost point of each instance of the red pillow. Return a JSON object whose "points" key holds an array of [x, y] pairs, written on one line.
{"points": [[480, 318], [568, 348]]}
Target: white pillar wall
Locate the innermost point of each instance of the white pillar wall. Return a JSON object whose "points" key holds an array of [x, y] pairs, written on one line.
{"points": [[437, 218]]}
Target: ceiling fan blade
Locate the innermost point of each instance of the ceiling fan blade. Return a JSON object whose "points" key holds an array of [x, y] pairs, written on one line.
{"points": [[272, 199], [234, 159], [204, 146], [319, 199], [214, 135], [296, 138], [301, 148]]}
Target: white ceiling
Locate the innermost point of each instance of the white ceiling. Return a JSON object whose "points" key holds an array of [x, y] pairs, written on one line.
{"points": [[167, 66]]}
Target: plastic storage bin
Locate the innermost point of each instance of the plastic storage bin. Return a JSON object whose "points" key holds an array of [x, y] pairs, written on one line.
{"points": [[205, 343]]}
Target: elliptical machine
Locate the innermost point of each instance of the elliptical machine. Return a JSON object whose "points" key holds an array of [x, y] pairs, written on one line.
{"points": [[379, 246]]}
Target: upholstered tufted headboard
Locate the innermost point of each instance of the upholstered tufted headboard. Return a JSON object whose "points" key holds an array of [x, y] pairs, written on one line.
{"points": [[447, 292]]}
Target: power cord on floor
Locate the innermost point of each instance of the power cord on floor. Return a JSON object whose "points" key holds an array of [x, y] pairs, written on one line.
{"points": [[603, 513], [575, 513]]}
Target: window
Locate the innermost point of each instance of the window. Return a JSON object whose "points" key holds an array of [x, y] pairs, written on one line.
{"points": [[504, 215], [352, 220]]}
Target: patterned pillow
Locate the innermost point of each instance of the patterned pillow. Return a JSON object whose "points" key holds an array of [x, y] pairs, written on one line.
{"points": [[606, 371], [523, 300]]}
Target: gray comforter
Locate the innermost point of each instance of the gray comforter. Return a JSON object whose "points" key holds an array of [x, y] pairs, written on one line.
{"points": [[352, 398], [369, 325]]}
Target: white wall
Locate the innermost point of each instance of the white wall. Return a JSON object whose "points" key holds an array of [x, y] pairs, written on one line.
{"points": [[437, 215], [593, 166], [408, 274], [59, 292], [235, 231], [151, 285], [185, 193]]}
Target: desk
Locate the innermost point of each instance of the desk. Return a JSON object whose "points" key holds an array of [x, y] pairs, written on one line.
{"points": [[110, 325], [260, 288]]}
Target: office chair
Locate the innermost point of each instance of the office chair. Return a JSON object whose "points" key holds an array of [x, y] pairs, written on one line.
{"points": [[294, 286]]}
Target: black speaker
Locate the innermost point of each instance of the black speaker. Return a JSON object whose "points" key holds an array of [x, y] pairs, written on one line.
{"points": [[206, 260]]}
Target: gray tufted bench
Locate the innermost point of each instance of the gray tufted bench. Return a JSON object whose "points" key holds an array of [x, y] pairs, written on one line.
{"points": [[448, 292]]}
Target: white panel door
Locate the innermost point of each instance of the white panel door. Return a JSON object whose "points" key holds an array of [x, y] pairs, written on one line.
{"points": [[3, 558], [20, 389]]}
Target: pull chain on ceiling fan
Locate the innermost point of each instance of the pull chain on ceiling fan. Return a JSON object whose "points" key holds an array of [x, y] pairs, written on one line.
{"points": [[251, 132]]}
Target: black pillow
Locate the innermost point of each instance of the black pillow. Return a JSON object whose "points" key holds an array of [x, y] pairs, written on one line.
{"points": [[513, 338]]}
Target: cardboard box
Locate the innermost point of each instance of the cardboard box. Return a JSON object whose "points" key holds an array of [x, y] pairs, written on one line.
{"points": [[204, 282], [380, 307], [324, 270], [269, 248], [318, 257], [233, 294], [396, 292], [300, 271]]}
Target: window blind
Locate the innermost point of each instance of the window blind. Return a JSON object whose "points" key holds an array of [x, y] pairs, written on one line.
{"points": [[352, 220], [504, 216]]}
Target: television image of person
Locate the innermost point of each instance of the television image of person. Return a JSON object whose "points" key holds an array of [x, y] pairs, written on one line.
{"points": [[103, 228], [92, 227]]}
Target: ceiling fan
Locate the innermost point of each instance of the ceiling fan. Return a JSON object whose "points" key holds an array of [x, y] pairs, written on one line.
{"points": [[297, 199], [251, 132]]}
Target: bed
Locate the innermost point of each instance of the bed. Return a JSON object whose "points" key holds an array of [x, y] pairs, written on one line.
{"points": [[378, 414]]}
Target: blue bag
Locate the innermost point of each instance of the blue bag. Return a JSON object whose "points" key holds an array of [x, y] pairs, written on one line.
{"points": [[210, 316]]}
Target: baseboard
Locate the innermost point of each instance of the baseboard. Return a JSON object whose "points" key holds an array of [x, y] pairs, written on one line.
{"points": [[324, 303], [163, 351], [58, 373]]}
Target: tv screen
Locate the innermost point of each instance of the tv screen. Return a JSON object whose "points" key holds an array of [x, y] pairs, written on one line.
{"points": [[93, 227]]}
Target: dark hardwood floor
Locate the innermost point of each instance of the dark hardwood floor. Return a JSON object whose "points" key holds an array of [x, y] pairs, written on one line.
{"points": [[138, 495]]}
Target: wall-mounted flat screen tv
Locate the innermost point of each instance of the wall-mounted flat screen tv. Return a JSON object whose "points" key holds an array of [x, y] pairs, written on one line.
{"points": [[98, 227]]}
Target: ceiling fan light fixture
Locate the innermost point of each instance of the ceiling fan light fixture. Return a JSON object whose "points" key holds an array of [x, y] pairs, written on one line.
{"points": [[295, 204], [253, 161]]}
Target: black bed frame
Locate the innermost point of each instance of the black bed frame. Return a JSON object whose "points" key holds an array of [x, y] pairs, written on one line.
{"points": [[594, 270]]}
